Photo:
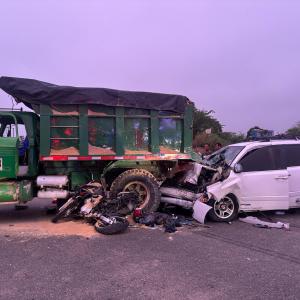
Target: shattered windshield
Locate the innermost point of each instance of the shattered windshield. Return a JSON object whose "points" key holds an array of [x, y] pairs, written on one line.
{"points": [[228, 153]]}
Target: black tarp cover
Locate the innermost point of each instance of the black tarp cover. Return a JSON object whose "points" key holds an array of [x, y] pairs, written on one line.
{"points": [[33, 93]]}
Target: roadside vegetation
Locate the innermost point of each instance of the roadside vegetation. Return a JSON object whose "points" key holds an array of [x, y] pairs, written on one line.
{"points": [[207, 129]]}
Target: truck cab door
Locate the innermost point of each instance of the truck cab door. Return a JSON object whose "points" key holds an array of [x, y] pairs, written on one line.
{"points": [[9, 142]]}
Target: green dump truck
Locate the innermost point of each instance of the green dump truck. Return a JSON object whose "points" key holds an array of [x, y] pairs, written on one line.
{"points": [[128, 140]]}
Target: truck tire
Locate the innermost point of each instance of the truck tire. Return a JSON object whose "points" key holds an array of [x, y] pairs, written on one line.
{"points": [[225, 210], [141, 181]]}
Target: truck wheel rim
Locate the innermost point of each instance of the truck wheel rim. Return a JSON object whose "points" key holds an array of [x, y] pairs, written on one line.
{"points": [[142, 190], [224, 208]]}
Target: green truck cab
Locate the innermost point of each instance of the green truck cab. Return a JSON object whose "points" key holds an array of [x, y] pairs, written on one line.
{"points": [[19, 148], [128, 140]]}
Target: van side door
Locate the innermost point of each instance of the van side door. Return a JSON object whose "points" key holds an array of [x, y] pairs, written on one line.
{"points": [[292, 160], [264, 183]]}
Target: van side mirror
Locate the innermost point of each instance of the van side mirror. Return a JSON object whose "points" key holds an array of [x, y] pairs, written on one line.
{"points": [[238, 168]]}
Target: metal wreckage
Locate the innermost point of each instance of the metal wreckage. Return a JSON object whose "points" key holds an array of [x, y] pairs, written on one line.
{"points": [[189, 188], [186, 187], [76, 137], [103, 154]]}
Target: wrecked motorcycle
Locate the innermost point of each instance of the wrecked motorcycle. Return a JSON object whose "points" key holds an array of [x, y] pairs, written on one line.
{"points": [[89, 202]]}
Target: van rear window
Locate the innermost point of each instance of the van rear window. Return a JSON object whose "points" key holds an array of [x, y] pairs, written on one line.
{"points": [[292, 155]]}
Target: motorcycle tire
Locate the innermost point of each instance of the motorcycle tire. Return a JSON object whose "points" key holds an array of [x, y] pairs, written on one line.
{"points": [[119, 226], [62, 211]]}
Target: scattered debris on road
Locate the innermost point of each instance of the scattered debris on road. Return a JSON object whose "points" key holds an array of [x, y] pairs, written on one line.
{"points": [[263, 224], [169, 222], [109, 215], [90, 203]]}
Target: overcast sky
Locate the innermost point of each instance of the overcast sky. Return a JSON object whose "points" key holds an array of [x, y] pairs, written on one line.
{"points": [[240, 58]]}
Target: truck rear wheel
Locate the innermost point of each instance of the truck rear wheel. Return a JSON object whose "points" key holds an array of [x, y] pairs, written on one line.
{"points": [[142, 182]]}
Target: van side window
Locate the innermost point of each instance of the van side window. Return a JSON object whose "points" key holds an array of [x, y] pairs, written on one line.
{"points": [[279, 156], [258, 160], [292, 155]]}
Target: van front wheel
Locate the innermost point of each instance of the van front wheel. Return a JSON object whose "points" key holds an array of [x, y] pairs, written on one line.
{"points": [[224, 210]]}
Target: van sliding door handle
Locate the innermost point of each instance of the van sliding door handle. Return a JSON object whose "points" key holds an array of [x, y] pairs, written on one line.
{"points": [[284, 177]]}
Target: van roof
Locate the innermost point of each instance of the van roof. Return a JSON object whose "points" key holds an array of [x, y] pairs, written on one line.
{"points": [[270, 142]]}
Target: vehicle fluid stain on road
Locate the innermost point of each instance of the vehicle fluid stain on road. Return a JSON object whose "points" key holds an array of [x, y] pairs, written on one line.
{"points": [[34, 221]]}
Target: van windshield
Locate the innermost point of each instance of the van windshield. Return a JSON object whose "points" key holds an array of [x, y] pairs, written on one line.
{"points": [[228, 153]]}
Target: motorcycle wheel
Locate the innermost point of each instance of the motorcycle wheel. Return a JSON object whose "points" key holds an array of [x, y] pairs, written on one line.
{"points": [[64, 210], [119, 226]]}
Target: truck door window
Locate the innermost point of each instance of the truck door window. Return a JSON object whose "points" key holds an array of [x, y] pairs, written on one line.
{"points": [[260, 159], [8, 126], [9, 130]]}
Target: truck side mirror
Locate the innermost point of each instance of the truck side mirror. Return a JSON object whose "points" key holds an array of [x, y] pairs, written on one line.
{"points": [[238, 168]]}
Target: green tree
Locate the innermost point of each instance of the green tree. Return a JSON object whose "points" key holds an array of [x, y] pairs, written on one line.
{"points": [[294, 131], [204, 120], [232, 137]]}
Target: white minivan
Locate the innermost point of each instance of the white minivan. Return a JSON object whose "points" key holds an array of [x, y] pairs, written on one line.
{"points": [[263, 176]]}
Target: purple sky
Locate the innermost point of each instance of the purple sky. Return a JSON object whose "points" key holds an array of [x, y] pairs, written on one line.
{"points": [[240, 58]]}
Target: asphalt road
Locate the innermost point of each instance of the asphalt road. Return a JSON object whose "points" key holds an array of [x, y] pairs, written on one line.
{"points": [[236, 261]]}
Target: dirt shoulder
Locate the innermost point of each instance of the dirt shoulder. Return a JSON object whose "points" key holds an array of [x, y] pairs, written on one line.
{"points": [[34, 221]]}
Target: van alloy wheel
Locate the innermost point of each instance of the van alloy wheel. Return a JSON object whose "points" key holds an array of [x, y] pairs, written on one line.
{"points": [[224, 208]]}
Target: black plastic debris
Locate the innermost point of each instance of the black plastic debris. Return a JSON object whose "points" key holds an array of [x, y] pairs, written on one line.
{"points": [[170, 225], [169, 222], [148, 220]]}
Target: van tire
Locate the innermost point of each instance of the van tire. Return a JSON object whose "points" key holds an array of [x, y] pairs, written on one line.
{"points": [[138, 180], [218, 214]]}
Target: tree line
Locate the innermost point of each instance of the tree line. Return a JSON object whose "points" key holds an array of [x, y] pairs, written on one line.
{"points": [[208, 130]]}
